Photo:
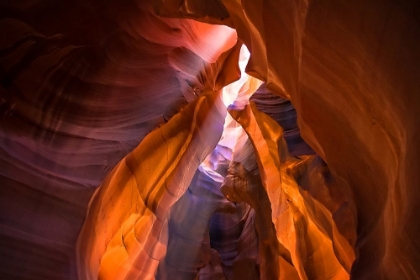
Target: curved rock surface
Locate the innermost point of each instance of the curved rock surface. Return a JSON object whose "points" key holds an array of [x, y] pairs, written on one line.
{"points": [[83, 83]]}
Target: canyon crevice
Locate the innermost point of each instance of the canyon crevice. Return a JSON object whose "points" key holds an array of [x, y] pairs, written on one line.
{"points": [[116, 152]]}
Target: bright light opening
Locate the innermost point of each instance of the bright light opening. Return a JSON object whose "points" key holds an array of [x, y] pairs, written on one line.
{"points": [[235, 96]]}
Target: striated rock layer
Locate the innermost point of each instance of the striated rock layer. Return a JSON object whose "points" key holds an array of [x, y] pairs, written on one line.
{"points": [[80, 88], [82, 83]]}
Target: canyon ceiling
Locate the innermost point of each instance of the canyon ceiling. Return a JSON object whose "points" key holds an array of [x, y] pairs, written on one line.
{"points": [[84, 82]]}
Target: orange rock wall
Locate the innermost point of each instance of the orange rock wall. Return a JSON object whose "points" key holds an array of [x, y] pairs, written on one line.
{"points": [[350, 69], [83, 82]]}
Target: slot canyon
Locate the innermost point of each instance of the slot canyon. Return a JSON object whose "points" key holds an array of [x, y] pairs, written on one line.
{"points": [[210, 139]]}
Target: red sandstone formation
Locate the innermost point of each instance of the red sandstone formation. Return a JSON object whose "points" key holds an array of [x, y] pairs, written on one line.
{"points": [[90, 97]]}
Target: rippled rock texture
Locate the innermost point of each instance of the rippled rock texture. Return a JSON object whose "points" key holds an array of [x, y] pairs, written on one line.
{"points": [[84, 82]]}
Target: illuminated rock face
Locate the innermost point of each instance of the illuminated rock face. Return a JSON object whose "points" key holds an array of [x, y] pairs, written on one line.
{"points": [[82, 84]]}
